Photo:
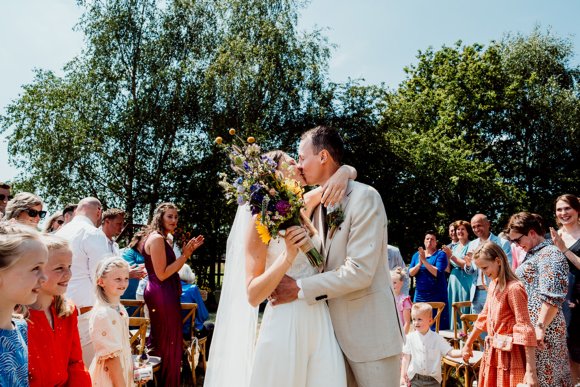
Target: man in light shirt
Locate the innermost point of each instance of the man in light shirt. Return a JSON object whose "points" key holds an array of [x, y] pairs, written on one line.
{"points": [[112, 225], [89, 246], [481, 228]]}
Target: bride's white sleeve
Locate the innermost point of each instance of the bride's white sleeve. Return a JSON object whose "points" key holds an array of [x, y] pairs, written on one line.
{"points": [[231, 353]]}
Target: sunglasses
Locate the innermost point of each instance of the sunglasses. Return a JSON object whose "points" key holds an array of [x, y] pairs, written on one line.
{"points": [[5, 197], [34, 213], [518, 239], [60, 221]]}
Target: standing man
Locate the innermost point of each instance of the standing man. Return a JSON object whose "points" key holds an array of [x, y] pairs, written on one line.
{"points": [[112, 225], [4, 197], [356, 282], [89, 246], [69, 212], [481, 228]]}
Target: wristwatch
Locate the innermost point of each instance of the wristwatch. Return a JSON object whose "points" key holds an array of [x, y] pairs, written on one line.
{"points": [[541, 326]]}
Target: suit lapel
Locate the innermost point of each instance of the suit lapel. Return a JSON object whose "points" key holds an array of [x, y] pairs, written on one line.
{"points": [[343, 204]]}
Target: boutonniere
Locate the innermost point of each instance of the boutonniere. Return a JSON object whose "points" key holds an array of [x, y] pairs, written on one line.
{"points": [[334, 219]]}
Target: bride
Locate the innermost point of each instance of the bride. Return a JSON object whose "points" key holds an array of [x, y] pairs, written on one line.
{"points": [[296, 345]]}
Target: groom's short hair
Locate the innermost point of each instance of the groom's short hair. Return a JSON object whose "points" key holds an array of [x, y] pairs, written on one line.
{"points": [[325, 137]]}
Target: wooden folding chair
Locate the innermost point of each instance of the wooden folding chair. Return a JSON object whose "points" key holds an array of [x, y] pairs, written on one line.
{"points": [[438, 306], [472, 367], [190, 308], [137, 307], [138, 335], [453, 335]]}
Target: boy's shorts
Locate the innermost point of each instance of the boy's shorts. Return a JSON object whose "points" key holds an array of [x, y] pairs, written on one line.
{"points": [[424, 381]]}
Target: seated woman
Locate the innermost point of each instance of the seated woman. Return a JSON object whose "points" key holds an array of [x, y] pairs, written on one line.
{"points": [[190, 294], [134, 257]]}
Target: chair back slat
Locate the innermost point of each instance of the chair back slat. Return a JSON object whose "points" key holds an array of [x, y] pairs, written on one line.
{"points": [[139, 306], [139, 337], [438, 306]]}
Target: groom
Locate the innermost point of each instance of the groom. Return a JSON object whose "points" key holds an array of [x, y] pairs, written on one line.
{"points": [[355, 281]]}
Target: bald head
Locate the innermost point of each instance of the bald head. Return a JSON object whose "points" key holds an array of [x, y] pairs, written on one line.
{"points": [[480, 226], [91, 208]]}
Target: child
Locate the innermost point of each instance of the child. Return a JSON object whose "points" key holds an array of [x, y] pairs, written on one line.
{"points": [[511, 339], [54, 347], [109, 326], [22, 257], [423, 350], [398, 278]]}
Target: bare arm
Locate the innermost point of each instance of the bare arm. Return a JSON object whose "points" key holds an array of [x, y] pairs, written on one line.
{"points": [[260, 283], [331, 192], [156, 247], [115, 371], [547, 314], [559, 242], [467, 351], [407, 317], [406, 359]]}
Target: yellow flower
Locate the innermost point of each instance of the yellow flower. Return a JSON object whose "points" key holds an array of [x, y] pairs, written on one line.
{"points": [[263, 232], [293, 186], [219, 140], [251, 140], [232, 131]]}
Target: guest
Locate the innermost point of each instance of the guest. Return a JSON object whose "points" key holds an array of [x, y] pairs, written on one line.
{"points": [[54, 223], [423, 351], [112, 223], [395, 257], [54, 348], [459, 283], [506, 320], [453, 235], [136, 262], [398, 278], [163, 292], [190, 294], [4, 197], [544, 274], [22, 258], [428, 267], [25, 208], [481, 228], [89, 246], [68, 212], [567, 239], [109, 326]]}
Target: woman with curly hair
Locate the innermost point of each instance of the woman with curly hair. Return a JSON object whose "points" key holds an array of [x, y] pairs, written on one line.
{"points": [[163, 292]]}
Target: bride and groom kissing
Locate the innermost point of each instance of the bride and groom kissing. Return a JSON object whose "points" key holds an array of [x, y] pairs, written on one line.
{"points": [[335, 328]]}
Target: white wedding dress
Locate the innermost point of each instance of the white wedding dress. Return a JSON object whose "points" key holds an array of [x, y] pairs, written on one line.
{"points": [[296, 345]]}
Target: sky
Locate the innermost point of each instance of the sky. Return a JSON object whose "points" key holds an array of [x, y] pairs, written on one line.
{"points": [[374, 39]]}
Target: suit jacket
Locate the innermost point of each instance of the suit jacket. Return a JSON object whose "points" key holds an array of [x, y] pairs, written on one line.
{"points": [[356, 282]]}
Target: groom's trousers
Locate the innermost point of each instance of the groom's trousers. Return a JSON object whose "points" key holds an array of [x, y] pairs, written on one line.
{"points": [[384, 372]]}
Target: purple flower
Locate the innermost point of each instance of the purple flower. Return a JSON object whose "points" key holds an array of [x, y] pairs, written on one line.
{"points": [[283, 207], [246, 166], [241, 200]]}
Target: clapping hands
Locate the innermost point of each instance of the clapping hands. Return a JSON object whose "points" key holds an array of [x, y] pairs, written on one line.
{"points": [[192, 245]]}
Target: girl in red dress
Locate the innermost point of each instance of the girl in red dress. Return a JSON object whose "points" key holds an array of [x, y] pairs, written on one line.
{"points": [[54, 349]]}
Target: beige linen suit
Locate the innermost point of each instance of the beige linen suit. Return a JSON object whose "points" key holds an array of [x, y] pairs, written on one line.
{"points": [[357, 285]]}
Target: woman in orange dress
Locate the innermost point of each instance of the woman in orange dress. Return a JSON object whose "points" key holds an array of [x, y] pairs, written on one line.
{"points": [[510, 356]]}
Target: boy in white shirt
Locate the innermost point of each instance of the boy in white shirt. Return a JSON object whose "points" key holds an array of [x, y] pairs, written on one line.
{"points": [[421, 365]]}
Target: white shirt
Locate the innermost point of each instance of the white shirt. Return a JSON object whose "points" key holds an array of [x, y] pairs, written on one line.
{"points": [[89, 246], [426, 352]]}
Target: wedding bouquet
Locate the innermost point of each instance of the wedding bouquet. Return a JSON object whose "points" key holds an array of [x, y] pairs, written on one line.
{"points": [[275, 199]]}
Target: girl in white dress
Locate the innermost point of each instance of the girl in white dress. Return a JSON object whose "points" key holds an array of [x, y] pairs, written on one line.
{"points": [[109, 327], [296, 345]]}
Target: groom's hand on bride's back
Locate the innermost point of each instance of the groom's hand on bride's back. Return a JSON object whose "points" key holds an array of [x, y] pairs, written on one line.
{"points": [[287, 291]]}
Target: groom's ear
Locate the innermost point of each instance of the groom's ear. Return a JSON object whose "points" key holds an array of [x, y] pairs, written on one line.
{"points": [[324, 156]]}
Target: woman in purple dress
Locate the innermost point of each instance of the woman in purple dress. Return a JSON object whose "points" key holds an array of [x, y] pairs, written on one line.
{"points": [[163, 292]]}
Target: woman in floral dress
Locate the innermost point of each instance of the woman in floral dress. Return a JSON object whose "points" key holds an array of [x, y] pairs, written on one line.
{"points": [[544, 274]]}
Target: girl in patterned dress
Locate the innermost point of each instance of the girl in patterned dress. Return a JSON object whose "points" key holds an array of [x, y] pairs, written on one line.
{"points": [[544, 273], [504, 316], [22, 257]]}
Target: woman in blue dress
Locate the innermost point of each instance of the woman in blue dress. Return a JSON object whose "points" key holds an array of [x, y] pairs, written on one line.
{"points": [[459, 281], [428, 267]]}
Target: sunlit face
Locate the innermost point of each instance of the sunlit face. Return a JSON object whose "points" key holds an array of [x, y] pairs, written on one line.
{"points": [[309, 162], [113, 227], [565, 213], [169, 219], [21, 282], [25, 218], [421, 321], [115, 282], [57, 271], [461, 233], [480, 227], [289, 169], [522, 240], [489, 268], [430, 242], [4, 197], [397, 283], [57, 223]]}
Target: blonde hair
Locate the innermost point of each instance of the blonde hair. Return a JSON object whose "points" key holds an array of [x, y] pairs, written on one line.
{"points": [[50, 221], [422, 307], [489, 251], [15, 240], [157, 220], [20, 203], [400, 272], [104, 267], [64, 307]]}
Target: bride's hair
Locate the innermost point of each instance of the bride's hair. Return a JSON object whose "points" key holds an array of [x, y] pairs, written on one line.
{"points": [[277, 156]]}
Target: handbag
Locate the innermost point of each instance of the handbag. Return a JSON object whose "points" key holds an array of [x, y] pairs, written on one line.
{"points": [[502, 342]]}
